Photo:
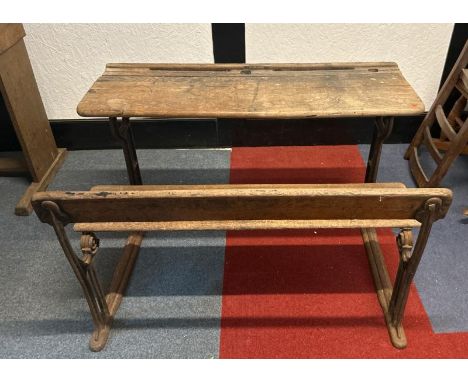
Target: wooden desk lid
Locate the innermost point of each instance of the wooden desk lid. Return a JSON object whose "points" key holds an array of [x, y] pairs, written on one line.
{"points": [[251, 91]]}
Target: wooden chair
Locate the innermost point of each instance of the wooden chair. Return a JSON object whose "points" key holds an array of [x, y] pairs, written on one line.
{"points": [[137, 209], [454, 127]]}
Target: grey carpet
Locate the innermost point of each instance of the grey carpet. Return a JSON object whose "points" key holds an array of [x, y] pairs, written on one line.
{"points": [[172, 306]]}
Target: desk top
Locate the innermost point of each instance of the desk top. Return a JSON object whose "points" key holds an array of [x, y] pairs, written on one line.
{"points": [[251, 91]]}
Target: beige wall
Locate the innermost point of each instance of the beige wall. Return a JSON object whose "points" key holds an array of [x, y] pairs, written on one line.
{"points": [[67, 58], [419, 49]]}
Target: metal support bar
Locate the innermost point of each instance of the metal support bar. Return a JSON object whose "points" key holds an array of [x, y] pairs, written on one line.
{"points": [[84, 271], [393, 300], [122, 131], [383, 285], [409, 262], [103, 307], [383, 129]]}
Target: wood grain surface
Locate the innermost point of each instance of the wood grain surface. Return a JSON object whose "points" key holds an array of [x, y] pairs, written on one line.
{"points": [[251, 91], [10, 34], [254, 207]]}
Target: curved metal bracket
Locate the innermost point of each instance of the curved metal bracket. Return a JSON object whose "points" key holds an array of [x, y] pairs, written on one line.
{"points": [[84, 272], [430, 212], [52, 213]]}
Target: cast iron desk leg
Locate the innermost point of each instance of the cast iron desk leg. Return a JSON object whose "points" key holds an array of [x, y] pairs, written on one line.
{"points": [[383, 129], [122, 130]]}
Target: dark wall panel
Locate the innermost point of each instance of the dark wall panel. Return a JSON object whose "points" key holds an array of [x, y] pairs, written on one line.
{"points": [[228, 43]]}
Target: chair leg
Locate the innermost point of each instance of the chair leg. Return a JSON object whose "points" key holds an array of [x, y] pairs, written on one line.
{"points": [[383, 285], [409, 261], [123, 131], [393, 300], [102, 307], [383, 129], [419, 136], [455, 149]]}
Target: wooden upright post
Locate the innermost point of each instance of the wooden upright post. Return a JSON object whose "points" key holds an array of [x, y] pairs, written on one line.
{"points": [[41, 158]]}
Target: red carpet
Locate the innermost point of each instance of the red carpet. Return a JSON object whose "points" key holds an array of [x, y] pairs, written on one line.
{"points": [[310, 294]]}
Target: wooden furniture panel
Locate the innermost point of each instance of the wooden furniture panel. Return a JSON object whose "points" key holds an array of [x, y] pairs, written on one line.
{"points": [[237, 224], [251, 91], [24, 104], [23, 101], [243, 204], [10, 34]]}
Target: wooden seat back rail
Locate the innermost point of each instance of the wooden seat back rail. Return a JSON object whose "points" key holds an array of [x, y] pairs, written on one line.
{"points": [[294, 203], [144, 208]]}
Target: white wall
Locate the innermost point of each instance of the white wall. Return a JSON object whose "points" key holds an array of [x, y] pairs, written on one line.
{"points": [[68, 58], [419, 49]]}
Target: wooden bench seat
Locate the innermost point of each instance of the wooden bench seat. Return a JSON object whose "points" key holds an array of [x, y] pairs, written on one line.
{"points": [[272, 206], [199, 216]]}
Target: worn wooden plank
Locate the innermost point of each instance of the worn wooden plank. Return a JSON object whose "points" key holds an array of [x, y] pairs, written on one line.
{"points": [[10, 34], [444, 124], [24, 207], [443, 145], [233, 225], [234, 66], [240, 203], [23, 101], [152, 187], [251, 91]]}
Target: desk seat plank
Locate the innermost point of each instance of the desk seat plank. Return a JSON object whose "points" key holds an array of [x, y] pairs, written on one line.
{"points": [[237, 225], [231, 203], [155, 187]]}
